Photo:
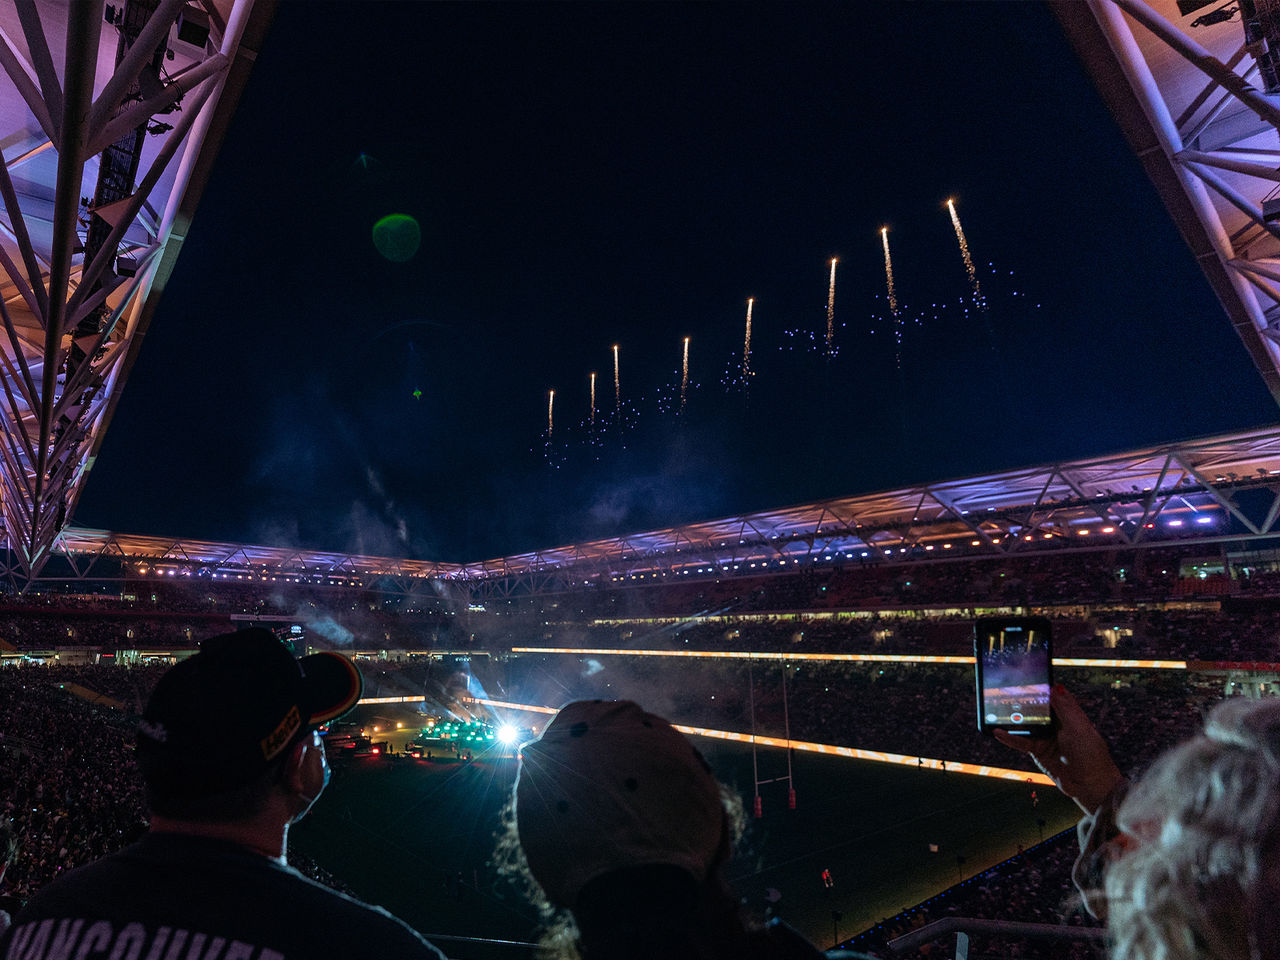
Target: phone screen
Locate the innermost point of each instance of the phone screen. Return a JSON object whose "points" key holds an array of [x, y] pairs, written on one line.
{"points": [[1014, 662]]}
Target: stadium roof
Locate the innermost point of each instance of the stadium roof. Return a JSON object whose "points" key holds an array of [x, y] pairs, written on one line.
{"points": [[1209, 489], [109, 120], [1195, 93], [141, 121]]}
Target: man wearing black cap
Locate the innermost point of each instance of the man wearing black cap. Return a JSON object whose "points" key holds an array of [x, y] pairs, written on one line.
{"points": [[230, 757]]}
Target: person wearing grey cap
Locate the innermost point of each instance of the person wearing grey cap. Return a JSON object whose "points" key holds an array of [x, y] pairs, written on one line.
{"points": [[230, 756], [616, 818]]}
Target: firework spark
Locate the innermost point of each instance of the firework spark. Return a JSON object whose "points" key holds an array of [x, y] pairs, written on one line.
{"points": [[964, 252], [617, 382], [746, 343], [593, 398], [551, 406], [684, 376], [831, 308], [888, 272], [893, 298]]}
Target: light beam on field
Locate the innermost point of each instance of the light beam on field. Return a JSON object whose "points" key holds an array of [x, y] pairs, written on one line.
{"points": [[746, 343], [869, 658], [853, 753], [593, 398], [684, 376], [551, 406], [617, 382], [831, 307]]}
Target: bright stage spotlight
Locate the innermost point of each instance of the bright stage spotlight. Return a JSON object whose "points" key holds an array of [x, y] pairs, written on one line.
{"points": [[507, 733]]}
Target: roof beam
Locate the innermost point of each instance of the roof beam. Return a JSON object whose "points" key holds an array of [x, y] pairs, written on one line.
{"points": [[50, 90], [21, 74]]}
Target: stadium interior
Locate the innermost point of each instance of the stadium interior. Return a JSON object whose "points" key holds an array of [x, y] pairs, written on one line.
{"points": [[818, 650]]}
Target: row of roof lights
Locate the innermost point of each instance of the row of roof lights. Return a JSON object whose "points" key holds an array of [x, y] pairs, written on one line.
{"points": [[173, 571], [762, 564]]}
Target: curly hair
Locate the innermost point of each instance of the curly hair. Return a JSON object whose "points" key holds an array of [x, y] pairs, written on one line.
{"points": [[559, 938], [1202, 879]]}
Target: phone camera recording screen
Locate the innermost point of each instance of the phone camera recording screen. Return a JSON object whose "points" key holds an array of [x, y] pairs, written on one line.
{"points": [[1015, 661]]}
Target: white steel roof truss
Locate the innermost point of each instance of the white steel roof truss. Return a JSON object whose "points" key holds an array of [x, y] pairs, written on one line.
{"points": [[58, 392], [1224, 144], [1225, 502]]}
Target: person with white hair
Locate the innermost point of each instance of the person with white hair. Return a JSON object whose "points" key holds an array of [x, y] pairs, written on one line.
{"points": [[1184, 863]]}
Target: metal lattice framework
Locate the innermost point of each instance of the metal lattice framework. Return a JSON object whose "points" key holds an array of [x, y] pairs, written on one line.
{"points": [[1209, 490], [1190, 95], [98, 554], [134, 97], [108, 122], [1220, 487]]}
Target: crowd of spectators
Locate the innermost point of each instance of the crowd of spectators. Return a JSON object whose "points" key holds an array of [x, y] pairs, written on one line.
{"points": [[1132, 602], [68, 784], [163, 614], [67, 780], [1240, 631], [816, 583], [1032, 887]]}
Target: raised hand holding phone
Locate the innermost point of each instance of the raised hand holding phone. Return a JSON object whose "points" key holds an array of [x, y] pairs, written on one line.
{"points": [[1072, 752]]}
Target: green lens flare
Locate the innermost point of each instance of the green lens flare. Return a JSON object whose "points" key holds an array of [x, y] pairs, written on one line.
{"points": [[397, 237]]}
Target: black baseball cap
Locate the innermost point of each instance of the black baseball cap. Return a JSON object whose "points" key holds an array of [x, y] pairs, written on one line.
{"points": [[220, 718]]}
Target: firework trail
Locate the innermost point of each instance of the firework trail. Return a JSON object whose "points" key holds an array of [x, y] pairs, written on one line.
{"points": [[684, 376], [551, 405], [746, 344], [888, 272], [617, 383], [893, 297], [978, 299], [831, 308], [593, 398], [964, 251]]}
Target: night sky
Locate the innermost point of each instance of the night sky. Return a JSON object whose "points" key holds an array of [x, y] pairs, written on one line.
{"points": [[585, 175]]}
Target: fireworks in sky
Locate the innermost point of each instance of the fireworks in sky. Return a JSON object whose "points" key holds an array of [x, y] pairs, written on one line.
{"points": [[888, 272], [617, 383], [892, 292], [671, 398], [964, 252], [979, 299], [831, 308], [684, 376]]}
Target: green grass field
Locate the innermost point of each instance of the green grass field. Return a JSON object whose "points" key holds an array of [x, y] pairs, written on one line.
{"points": [[400, 832]]}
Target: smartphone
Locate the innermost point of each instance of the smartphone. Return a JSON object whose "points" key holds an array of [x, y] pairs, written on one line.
{"points": [[1013, 660]]}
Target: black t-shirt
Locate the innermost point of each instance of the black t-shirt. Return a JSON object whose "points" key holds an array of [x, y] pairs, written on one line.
{"points": [[175, 897]]}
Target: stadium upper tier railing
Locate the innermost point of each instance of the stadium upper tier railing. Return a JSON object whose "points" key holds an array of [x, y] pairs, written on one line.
{"points": [[962, 927]]}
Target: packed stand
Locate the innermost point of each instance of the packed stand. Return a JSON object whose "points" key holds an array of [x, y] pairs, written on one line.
{"points": [[1033, 887]]}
